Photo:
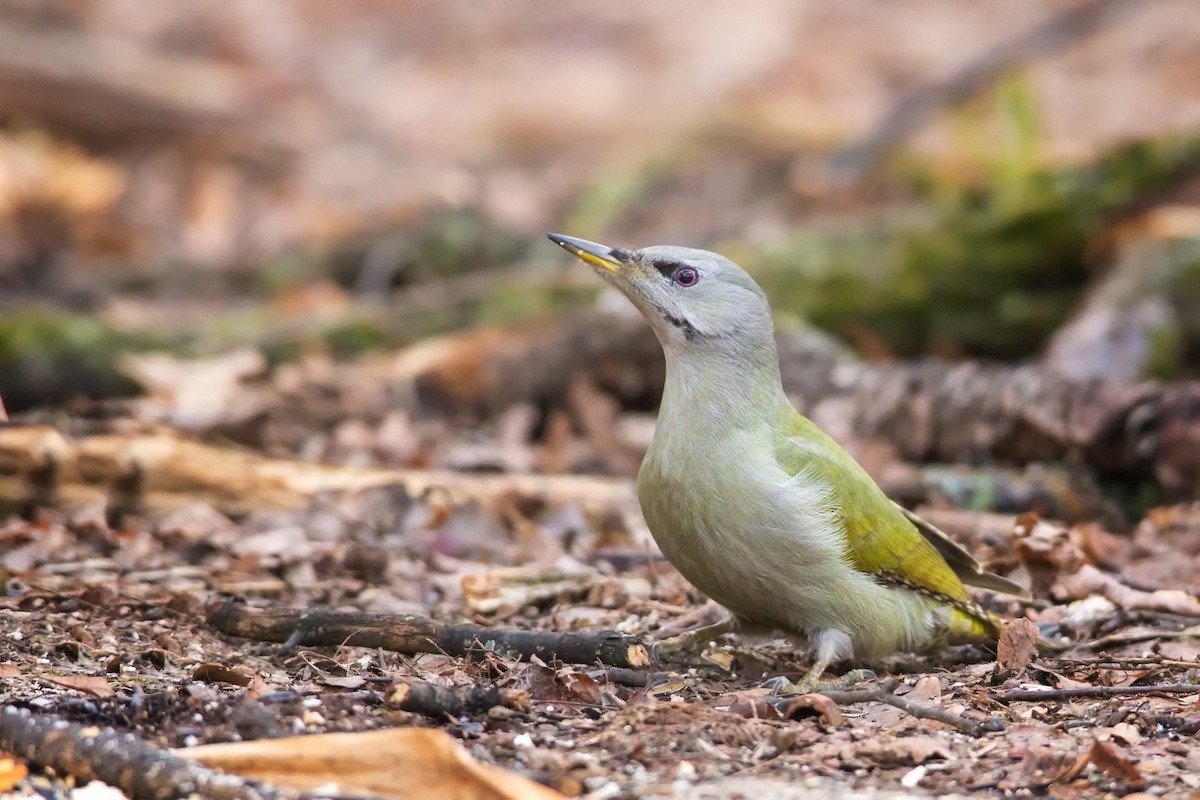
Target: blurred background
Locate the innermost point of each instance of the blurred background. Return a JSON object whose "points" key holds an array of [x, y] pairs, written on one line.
{"points": [[250, 217]]}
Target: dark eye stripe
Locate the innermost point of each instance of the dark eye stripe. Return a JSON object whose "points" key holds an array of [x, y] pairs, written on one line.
{"points": [[665, 267]]}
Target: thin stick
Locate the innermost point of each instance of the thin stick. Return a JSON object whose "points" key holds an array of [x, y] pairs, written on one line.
{"points": [[626, 676], [885, 693], [411, 634], [1117, 661], [1037, 695], [440, 702], [1134, 638]]}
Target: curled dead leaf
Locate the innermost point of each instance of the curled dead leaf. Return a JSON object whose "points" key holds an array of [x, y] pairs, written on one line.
{"points": [[753, 704], [1126, 733], [667, 688], [1104, 758], [410, 763], [719, 658], [219, 673], [1107, 760], [95, 685], [580, 684], [827, 709], [1046, 551]]}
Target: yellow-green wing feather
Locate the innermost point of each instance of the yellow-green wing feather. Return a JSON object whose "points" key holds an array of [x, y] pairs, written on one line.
{"points": [[881, 540], [965, 566]]}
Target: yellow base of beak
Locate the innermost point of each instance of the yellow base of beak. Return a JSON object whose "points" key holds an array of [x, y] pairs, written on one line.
{"points": [[595, 254]]}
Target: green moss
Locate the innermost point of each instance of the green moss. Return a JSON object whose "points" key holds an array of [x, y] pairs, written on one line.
{"points": [[49, 356], [354, 336], [989, 269], [1166, 357], [514, 303]]}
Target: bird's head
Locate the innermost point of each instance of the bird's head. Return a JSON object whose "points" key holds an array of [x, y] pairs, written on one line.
{"points": [[693, 299]]}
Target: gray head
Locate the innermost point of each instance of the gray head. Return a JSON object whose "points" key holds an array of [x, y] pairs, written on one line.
{"points": [[694, 299]]}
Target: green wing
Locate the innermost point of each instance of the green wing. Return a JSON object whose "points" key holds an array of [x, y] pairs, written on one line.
{"points": [[883, 538], [965, 566]]}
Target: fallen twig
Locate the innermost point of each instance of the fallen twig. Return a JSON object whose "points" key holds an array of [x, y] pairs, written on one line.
{"points": [[885, 693], [440, 702], [626, 676], [1118, 662], [122, 760], [1037, 695], [406, 633]]}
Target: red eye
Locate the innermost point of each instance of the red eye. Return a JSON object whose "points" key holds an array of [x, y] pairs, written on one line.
{"points": [[685, 276]]}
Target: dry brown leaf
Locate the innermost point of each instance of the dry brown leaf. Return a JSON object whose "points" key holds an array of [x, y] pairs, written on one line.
{"points": [[751, 704], [923, 748], [1108, 761], [828, 710], [547, 685], [1100, 546], [258, 687], [409, 763], [219, 673], [927, 689], [1063, 682], [1017, 646], [583, 686], [1104, 758], [9, 670], [1126, 733], [12, 772], [1045, 550], [667, 688], [95, 685], [719, 658]]}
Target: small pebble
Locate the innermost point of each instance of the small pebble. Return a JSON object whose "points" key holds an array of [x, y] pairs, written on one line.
{"points": [[96, 790], [913, 776]]}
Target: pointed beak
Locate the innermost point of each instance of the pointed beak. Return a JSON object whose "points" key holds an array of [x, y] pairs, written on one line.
{"points": [[596, 254]]}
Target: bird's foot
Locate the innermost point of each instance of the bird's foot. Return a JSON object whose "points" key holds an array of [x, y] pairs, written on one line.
{"points": [[812, 683], [670, 647], [693, 641]]}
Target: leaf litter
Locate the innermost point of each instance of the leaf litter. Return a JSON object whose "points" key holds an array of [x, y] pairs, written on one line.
{"points": [[105, 625]]}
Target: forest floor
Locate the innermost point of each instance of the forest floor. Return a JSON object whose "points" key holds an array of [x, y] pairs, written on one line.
{"points": [[108, 622]]}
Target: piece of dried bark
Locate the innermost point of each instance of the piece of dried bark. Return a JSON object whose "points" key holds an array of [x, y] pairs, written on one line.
{"points": [[1017, 646]]}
